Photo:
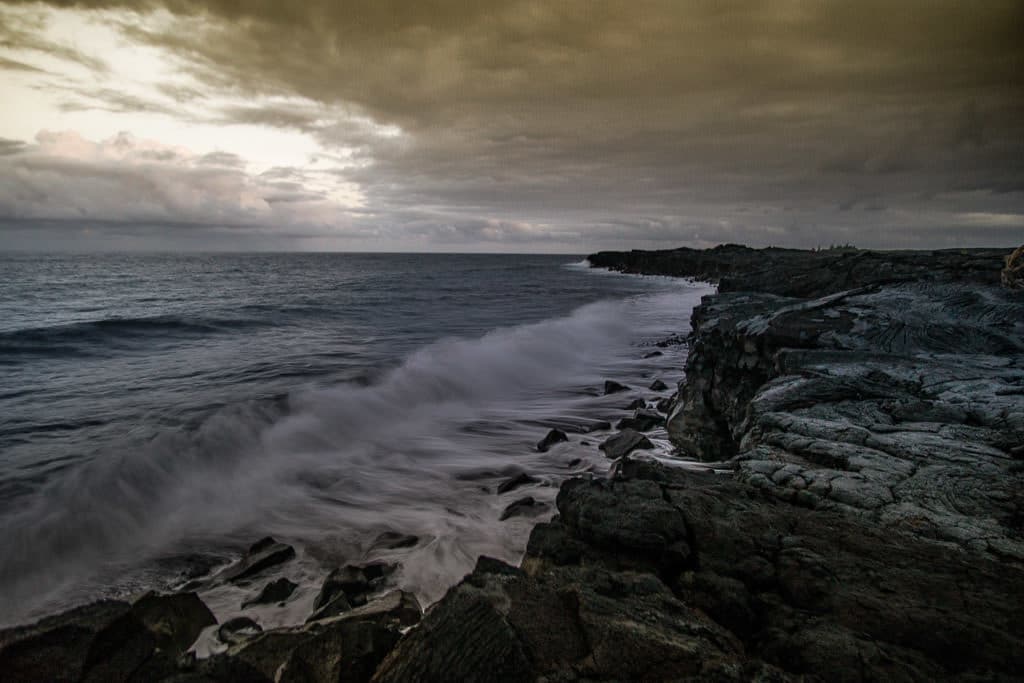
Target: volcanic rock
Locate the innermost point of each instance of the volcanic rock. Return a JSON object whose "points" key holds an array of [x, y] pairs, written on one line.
{"points": [[623, 443], [275, 591], [524, 507], [612, 387], [550, 439], [262, 555]]}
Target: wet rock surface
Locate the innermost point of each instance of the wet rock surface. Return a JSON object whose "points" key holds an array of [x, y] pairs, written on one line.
{"points": [[867, 410], [275, 591], [624, 442], [667, 574], [553, 437], [262, 555]]}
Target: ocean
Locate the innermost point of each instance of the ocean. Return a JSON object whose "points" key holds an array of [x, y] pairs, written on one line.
{"points": [[159, 413]]}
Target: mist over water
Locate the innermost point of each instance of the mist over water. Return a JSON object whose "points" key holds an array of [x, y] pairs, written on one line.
{"points": [[160, 409]]}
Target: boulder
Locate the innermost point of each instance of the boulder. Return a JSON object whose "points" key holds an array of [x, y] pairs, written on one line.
{"points": [[550, 439], [613, 387], [653, 354], [524, 507], [392, 540], [643, 420], [396, 608], [175, 620], [345, 651], [237, 630], [316, 653], [503, 625], [262, 555], [658, 385], [637, 404], [275, 591], [349, 586], [624, 443], [1012, 276], [521, 479], [102, 641]]}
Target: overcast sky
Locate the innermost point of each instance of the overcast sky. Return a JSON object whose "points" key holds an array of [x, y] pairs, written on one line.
{"points": [[555, 126]]}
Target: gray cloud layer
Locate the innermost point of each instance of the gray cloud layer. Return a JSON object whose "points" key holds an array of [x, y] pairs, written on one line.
{"points": [[587, 124]]}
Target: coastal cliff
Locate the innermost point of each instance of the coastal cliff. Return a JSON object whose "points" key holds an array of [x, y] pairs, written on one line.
{"points": [[848, 505]]}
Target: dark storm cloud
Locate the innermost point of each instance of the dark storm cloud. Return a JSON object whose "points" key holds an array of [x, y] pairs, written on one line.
{"points": [[640, 122]]}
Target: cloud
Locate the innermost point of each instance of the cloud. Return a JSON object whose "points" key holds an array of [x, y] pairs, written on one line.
{"points": [[65, 177], [615, 123]]}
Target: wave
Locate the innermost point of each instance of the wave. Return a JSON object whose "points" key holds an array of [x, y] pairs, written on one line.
{"points": [[81, 337], [335, 466]]}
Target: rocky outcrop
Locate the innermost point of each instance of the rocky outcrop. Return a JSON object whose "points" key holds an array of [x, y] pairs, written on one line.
{"points": [[105, 641], [665, 574], [1012, 276], [903, 404], [262, 555]]}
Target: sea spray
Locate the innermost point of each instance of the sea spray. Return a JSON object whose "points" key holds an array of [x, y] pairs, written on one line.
{"points": [[418, 450]]}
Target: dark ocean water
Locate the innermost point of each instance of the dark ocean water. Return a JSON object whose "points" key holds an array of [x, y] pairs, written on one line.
{"points": [[159, 409]]}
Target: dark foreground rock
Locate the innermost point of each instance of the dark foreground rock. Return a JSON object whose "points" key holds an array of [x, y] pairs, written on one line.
{"points": [[664, 574], [275, 591], [262, 555], [624, 442], [869, 408], [553, 437], [105, 641]]}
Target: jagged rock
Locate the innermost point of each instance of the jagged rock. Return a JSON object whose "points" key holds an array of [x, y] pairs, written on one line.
{"points": [[652, 354], [323, 652], [521, 479], [658, 385], [396, 608], [349, 586], [613, 387], [631, 518], [1012, 276], [624, 443], [643, 420], [524, 507], [262, 555], [664, 406], [347, 651], [102, 641], [338, 604], [237, 630], [175, 620], [637, 404], [502, 625], [550, 439], [392, 540], [275, 591]]}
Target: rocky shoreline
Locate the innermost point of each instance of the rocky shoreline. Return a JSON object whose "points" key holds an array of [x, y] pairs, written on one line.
{"points": [[861, 516]]}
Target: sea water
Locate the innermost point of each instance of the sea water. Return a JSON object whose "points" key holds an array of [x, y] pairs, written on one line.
{"points": [[162, 412]]}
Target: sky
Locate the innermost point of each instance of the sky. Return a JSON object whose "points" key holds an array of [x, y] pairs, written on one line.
{"points": [[561, 126]]}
